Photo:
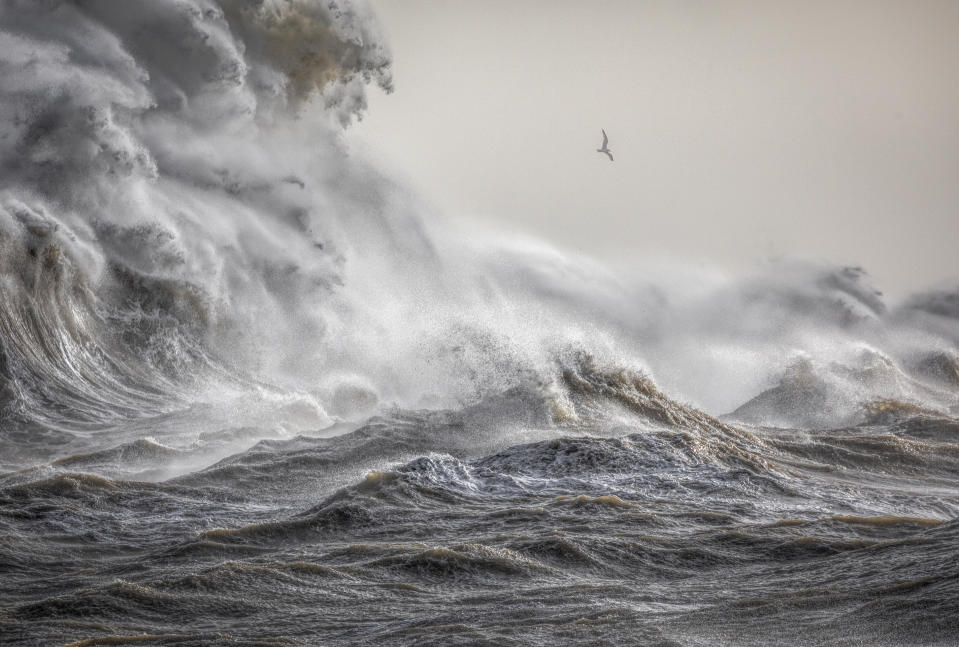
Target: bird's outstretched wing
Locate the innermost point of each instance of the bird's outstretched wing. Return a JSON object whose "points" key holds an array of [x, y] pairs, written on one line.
{"points": [[605, 138], [610, 156]]}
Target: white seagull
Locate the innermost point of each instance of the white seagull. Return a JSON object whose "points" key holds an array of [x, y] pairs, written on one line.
{"points": [[604, 149]]}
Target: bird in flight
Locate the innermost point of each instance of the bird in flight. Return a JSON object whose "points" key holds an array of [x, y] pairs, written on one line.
{"points": [[604, 149]]}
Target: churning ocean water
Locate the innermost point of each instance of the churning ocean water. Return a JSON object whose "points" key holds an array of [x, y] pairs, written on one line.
{"points": [[251, 395]]}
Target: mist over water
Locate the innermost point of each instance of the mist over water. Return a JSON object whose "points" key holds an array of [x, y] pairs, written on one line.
{"points": [[239, 363]]}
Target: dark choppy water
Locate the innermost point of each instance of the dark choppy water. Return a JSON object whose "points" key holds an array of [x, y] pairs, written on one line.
{"points": [[251, 395], [639, 522]]}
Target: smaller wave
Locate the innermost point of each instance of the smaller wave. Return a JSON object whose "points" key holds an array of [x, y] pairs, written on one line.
{"points": [[814, 396], [144, 452], [463, 563], [940, 367], [889, 520]]}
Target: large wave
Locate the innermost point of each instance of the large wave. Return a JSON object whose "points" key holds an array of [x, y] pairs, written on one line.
{"points": [[181, 222], [158, 207]]}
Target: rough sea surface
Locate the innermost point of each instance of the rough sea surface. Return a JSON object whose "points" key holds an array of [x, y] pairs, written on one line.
{"points": [[253, 393]]}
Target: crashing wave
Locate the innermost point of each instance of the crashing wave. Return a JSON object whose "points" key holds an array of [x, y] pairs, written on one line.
{"points": [[179, 226], [813, 396], [147, 220]]}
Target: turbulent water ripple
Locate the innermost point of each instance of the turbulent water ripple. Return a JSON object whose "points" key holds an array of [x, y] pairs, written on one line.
{"points": [[639, 535]]}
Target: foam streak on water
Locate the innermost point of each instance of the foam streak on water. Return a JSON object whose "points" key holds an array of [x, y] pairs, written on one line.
{"points": [[251, 392]]}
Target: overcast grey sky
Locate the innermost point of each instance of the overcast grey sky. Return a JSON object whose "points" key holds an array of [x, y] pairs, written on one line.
{"points": [[742, 130]]}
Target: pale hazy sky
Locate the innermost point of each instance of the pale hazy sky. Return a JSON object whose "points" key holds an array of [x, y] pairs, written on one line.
{"points": [[742, 130]]}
